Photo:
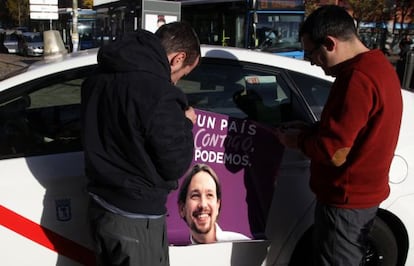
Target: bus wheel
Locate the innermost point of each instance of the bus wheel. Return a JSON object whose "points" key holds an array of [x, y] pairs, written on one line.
{"points": [[382, 246]]}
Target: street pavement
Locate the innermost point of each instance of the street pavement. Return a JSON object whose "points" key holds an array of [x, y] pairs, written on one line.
{"points": [[11, 64]]}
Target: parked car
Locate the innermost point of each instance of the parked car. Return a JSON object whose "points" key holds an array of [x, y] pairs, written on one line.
{"points": [[43, 200], [11, 40], [31, 44]]}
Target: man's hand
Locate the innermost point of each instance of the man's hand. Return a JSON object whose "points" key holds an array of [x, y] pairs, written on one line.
{"points": [[288, 137], [190, 114]]}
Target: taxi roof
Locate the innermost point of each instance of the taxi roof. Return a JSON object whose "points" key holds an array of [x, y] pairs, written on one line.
{"points": [[58, 63]]}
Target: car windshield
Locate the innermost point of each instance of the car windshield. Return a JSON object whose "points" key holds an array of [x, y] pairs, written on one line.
{"points": [[11, 38], [33, 37], [37, 38]]}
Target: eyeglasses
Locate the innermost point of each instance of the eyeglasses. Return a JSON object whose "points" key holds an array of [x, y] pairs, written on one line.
{"points": [[307, 55]]}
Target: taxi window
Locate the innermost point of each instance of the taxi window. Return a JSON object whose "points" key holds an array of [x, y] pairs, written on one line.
{"points": [[42, 117], [314, 90], [242, 91]]}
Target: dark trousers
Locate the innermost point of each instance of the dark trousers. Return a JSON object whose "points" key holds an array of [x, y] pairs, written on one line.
{"points": [[124, 241], [340, 235]]}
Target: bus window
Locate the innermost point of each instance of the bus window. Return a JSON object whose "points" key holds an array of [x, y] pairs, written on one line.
{"points": [[268, 27], [86, 29], [278, 32], [220, 23]]}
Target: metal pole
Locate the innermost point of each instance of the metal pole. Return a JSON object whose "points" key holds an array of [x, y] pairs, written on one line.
{"points": [[75, 35], [408, 70]]}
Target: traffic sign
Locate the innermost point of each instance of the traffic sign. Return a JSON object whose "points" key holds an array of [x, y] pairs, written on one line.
{"points": [[44, 9], [43, 2], [43, 15]]}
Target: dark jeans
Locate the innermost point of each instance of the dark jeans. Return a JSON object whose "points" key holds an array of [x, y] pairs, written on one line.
{"points": [[128, 242], [340, 235]]}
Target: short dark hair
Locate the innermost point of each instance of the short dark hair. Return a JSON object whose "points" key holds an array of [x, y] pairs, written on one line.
{"points": [[182, 195], [180, 37], [328, 20]]}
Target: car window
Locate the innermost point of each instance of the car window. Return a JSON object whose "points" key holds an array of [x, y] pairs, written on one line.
{"points": [[37, 38], [11, 37], [314, 90], [42, 117], [243, 91]]}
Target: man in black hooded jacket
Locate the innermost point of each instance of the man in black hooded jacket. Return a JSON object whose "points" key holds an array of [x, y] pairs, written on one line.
{"points": [[137, 134]]}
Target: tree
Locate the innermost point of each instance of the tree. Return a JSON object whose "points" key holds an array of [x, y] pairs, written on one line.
{"points": [[87, 4], [4, 14], [367, 10], [403, 12], [18, 11], [311, 5]]}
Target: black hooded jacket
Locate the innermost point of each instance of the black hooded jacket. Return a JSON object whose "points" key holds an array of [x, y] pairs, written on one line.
{"points": [[137, 140]]}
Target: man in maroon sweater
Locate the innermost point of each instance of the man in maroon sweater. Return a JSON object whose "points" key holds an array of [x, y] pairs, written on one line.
{"points": [[352, 146]]}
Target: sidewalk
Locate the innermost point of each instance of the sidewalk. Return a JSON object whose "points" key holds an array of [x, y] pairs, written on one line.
{"points": [[11, 64]]}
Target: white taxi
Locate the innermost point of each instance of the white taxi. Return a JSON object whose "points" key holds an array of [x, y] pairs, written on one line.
{"points": [[43, 199]]}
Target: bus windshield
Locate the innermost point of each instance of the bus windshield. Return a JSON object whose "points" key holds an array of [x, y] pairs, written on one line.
{"points": [[269, 26], [276, 31]]}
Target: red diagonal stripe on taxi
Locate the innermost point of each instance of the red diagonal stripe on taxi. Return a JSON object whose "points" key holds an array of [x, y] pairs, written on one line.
{"points": [[46, 237]]}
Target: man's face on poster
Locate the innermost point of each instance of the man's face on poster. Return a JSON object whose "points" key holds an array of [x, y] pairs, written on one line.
{"points": [[201, 208]]}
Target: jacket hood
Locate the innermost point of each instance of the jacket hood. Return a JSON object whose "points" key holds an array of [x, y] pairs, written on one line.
{"points": [[136, 51]]}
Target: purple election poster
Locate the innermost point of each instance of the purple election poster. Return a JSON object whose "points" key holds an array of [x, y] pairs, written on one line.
{"points": [[246, 157]]}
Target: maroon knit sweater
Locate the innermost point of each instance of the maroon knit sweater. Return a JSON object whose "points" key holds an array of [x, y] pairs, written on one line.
{"points": [[363, 113]]}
